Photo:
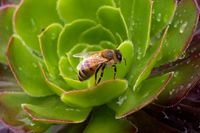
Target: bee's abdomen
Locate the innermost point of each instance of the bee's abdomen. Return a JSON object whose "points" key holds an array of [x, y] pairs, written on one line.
{"points": [[86, 72]]}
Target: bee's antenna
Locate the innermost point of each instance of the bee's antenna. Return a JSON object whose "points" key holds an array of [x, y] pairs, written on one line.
{"points": [[124, 61]]}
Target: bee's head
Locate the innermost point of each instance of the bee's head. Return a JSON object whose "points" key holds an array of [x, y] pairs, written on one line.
{"points": [[118, 55]]}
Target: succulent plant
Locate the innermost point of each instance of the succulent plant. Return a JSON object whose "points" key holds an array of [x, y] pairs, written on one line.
{"points": [[39, 86]]}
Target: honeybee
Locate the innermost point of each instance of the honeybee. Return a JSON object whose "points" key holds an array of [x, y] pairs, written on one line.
{"points": [[94, 61]]}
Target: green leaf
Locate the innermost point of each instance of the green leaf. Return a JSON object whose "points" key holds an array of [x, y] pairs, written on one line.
{"points": [[185, 77], [25, 67], [180, 31], [137, 14], [96, 95], [112, 19], [71, 33], [103, 121], [70, 10], [69, 75], [48, 46], [12, 114], [107, 45], [6, 29], [127, 50], [163, 12], [143, 67], [60, 113], [29, 22], [57, 85], [96, 34], [133, 101]]}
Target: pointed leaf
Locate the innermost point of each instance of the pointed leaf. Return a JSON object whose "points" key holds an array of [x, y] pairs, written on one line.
{"points": [[180, 31], [12, 114], [57, 85], [96, 34], [133, 101], [185, 77], [6, 29], [97, 95], [163, 12], [70, 10], [137, 14], [112, 19], [25, 67], [48, 46], [71, 33], [29, 22], [127, 50], [68, 74], [143, 67], [103, 121], [61, 113]]}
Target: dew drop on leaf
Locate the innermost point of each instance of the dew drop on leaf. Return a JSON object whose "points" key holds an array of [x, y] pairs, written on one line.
{"points": [[34, 65], [159, 17], [183, 26], [121, 100], [20, 68]]}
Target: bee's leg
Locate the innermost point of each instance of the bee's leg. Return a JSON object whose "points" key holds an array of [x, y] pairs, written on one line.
{"points": [[115, 71], [102, 71], [96, 72]]}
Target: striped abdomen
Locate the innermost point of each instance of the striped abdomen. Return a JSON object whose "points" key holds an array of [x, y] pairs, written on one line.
{"points": [[86, 70]]}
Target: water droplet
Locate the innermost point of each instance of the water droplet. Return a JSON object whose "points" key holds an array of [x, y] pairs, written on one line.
{"points": [[183, 26], [196, 66], [53, 36], [20, 68], [189, 85], [176, 24], [159, 17], [171, 92], [182, 56], [176, 74], [35, 65], [178, 108], [165, 115], [188, 61], [158, 35], [7, 28], [181, 87], [121, 100], [33, 22], [139, 56], [72, 109], [70, 69]]}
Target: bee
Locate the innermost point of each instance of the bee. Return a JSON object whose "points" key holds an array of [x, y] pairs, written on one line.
{"points": [[94, 61]]}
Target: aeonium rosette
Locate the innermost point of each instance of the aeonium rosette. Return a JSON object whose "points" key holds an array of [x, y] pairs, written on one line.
{"points": [[47, 35]]}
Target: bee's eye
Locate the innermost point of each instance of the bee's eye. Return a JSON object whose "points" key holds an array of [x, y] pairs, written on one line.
{"points": [[110, 54], [119, 57]]}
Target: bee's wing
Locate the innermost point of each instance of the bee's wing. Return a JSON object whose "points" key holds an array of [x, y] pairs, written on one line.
{"points": [[85, 54], [93, 61]]}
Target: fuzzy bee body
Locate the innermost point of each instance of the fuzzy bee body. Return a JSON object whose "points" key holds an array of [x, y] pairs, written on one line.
{"points": [[94, 61]]}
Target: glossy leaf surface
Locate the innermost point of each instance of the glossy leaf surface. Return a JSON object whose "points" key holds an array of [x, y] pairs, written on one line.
{"points": [[97, 95], [6, 29], [25, 67]]}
